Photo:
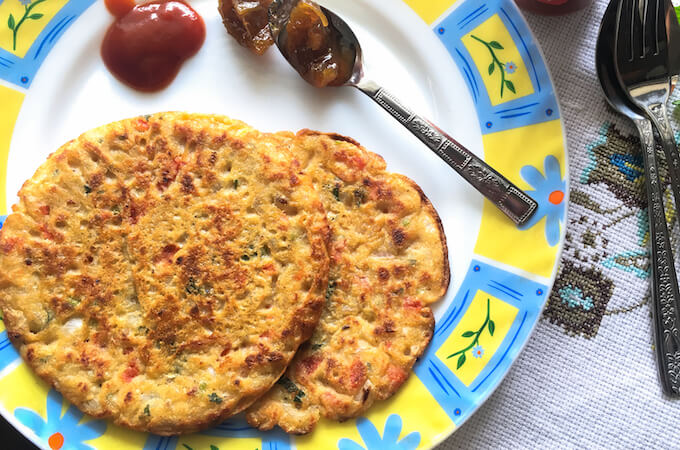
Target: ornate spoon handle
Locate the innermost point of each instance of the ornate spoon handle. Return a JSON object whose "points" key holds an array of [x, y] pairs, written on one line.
{"points": [[665, 295], [516, 204], [659, 115]]}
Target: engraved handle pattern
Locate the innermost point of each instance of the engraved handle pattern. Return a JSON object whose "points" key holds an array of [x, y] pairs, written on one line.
{"points": [[659, 115], [516, 204], [665, 295]]}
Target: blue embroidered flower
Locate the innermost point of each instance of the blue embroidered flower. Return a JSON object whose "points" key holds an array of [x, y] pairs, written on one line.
{"points": [[61, 432], [25, 2], [549, 193], [372, 438], [477, 351], [510, 67], [574, 298]]}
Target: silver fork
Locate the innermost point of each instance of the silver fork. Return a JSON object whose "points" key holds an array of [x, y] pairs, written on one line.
{"points": [[643, 66], [641, 62]]}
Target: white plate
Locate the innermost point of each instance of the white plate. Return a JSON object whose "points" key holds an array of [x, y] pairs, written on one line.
{"points": [[436, 74]]}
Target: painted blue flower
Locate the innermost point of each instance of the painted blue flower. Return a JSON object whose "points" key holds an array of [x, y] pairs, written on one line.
{"points": [[549, 193], [372, 438], [61, 432], [477, 351], [25, 2], [510, 67]]}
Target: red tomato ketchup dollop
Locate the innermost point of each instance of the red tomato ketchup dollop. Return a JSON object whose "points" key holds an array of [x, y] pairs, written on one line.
{"points": [[147, 44]]}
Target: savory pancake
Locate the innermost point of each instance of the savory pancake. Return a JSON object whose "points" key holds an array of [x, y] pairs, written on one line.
{"points": [[388, 263], [162, 271]]}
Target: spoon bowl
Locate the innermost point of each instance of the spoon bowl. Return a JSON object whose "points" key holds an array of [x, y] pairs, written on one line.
{"points": [[279, 15]]}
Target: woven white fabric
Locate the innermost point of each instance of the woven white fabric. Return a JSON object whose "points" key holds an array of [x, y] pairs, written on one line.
{"points": [[589, 384]]}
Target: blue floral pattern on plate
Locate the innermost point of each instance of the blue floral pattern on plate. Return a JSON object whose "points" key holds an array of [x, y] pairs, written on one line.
{"points": [[477, 351], [61, 431], [389, 439], [549, 192]]}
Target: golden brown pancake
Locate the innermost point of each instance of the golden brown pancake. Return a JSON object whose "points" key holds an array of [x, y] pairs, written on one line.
{"points": [[162, 271], [388, 263]]}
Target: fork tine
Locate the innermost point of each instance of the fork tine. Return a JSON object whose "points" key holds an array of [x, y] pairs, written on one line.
{"points": [[624, 31], [664, 12], [652, 26], [648, 27], [656, 29], [661, 28], [638, 17]]}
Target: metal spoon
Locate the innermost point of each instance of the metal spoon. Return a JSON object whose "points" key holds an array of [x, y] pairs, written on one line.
{"points": [[664, 281], [511, 200]]}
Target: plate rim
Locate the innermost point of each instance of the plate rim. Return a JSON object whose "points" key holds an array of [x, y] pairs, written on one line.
{"points": [[452, 427]]}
